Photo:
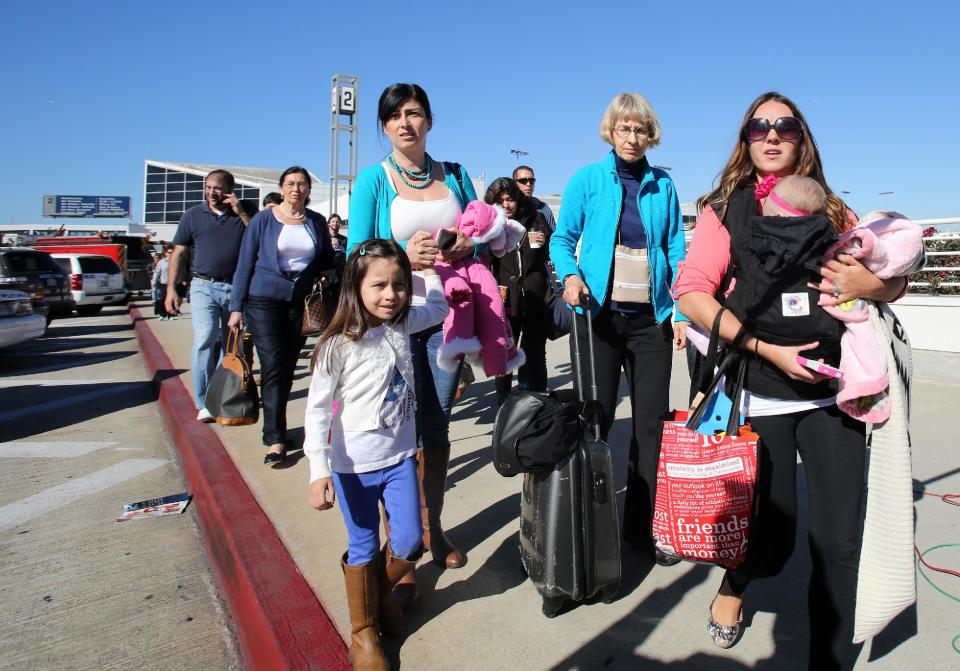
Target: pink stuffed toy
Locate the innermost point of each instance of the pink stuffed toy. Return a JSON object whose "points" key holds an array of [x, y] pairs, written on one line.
{"points": [[476, 323], [889, 246]]}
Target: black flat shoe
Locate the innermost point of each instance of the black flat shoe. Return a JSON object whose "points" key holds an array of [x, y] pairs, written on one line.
{"points": [[275, 457]]}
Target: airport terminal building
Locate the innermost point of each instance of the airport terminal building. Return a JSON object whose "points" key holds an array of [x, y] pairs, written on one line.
{"points": [[169, 189]]}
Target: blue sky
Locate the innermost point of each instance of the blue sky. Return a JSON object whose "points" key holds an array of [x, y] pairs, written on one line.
{"points": [[94, 88]]}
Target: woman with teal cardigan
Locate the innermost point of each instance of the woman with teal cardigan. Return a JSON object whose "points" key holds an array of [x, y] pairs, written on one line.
{"points": [[409, 197], [623, 205]]}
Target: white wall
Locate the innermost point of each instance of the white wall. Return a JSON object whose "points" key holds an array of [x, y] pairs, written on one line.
{"points": [[932, 322]]}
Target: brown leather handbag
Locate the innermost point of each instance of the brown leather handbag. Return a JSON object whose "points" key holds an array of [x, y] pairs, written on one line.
{"points": [[315, 313], [232, 396]]}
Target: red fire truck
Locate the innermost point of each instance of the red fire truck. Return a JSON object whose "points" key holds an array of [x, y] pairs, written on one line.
{"points": [[130, 253]]}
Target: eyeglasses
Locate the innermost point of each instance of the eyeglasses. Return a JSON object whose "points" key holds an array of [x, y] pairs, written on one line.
{"points": [[787, 127], [624, 133], [526, 181]]}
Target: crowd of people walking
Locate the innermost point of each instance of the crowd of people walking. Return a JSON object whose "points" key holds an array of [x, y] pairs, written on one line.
{"points": [[378, 410]]}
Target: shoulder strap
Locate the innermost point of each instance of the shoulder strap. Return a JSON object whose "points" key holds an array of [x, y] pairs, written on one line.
{"points": [[454, 168], [736, 217]]}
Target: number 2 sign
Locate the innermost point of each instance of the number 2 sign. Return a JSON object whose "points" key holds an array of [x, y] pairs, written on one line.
{"points": [[344, 100]]}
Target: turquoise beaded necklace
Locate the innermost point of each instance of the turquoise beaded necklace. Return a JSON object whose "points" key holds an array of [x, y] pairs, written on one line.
{"points": [[415, 179]]}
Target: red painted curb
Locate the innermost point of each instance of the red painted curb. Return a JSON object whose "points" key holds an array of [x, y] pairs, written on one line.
{"points": [[280, 623]]}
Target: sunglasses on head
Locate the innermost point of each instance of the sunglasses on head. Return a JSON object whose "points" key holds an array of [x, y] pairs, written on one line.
{"points": [[527, 181], [787, 127]]}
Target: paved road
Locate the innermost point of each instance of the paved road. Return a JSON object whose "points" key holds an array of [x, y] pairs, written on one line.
{"points": [[80, 435]]}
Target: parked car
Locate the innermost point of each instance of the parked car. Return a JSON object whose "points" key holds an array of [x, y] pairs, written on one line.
{"points": [[18, 322], [35, 273], [95, 281]]}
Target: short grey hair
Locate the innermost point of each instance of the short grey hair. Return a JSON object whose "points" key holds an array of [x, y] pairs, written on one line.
{"points": [[630, 107]]}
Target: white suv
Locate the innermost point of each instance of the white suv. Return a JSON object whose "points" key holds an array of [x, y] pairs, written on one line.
{"points": [[95, 281]]}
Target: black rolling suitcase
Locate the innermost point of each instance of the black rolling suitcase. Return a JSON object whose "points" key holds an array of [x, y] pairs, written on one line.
{"points": [[569, 535]]}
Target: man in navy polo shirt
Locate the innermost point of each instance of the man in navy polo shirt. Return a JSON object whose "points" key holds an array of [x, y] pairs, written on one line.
{"points": [[213, 230]]}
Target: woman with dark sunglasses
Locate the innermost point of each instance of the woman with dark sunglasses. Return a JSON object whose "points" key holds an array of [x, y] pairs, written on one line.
{"points": [[796, 413], [523, 272], [624, 215], [409, 197]]}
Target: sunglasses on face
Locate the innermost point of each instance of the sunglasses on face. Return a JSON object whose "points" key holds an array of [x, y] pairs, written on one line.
{"points": [[527, 181], [787, 127]]}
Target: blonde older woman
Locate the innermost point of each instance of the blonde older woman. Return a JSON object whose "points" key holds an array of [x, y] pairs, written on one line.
{"points": [[622, 204]]}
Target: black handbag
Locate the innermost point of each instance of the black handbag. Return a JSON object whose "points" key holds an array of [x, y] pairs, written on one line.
{"points": [[558, 314], [535, 431], [232, 396]]}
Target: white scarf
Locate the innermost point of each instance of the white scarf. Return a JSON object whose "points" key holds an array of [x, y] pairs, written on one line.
{"points": [[887, 582]]}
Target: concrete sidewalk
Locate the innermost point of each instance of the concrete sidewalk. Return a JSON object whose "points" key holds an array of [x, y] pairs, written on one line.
{"points": [[487, 616]]}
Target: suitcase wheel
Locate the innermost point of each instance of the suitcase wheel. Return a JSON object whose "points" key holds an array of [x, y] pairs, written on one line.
{"points": [[552, 605]]}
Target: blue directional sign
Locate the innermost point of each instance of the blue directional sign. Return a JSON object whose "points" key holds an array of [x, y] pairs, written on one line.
{"points": [[86, 206]]}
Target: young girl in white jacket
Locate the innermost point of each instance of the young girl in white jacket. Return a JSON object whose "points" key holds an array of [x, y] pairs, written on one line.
{"points": [[365, 454]]}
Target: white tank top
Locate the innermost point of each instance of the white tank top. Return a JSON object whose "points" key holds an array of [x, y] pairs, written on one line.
{"points": [[295, 248], [409, 216]]}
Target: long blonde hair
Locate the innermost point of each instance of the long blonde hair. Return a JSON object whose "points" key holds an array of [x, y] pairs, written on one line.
{"points": [[740, 169]]}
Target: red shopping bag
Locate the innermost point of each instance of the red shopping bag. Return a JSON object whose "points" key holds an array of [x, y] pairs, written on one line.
{"points": [[705, 494], [706, 484]]}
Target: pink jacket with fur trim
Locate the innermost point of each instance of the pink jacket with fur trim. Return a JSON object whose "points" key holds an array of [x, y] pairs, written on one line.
{"points": [[476, 325]]}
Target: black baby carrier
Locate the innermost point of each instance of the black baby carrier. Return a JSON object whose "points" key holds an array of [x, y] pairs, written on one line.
{"points": [[773, 259]]}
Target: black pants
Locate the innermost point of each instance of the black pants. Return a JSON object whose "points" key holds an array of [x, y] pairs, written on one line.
{"points": [[832, 448], [275, 327], [158, 305], [529, 331], [643, 349]]}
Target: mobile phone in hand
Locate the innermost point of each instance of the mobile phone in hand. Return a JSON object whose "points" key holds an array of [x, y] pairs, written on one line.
{"points": [[819, 367], [445, 239]]}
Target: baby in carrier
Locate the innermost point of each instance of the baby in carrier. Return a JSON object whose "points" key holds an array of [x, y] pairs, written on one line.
{"points": [[889, 246], [795, 196], [775, 261]]}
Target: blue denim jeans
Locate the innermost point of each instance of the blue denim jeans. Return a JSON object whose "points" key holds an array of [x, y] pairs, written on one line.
{"points": [[435, 389], [209, 312], [360, 495]]}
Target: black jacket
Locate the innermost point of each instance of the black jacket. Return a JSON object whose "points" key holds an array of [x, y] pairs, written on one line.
{"points": [[524, 270]]}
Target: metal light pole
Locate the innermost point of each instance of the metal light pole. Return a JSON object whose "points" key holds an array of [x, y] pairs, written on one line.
{"points": [[343, 120], [519, 153], [886, 197]]}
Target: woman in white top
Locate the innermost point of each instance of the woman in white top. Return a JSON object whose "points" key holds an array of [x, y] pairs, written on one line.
{"points": [[283, 251], [409, 197]]}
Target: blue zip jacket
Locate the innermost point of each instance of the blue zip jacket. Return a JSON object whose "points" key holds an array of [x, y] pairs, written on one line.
{"points": [[371, 199], [591, 209], [258, 268]]}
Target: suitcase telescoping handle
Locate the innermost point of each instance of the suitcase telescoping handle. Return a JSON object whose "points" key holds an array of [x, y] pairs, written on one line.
{"points": [[594, 412]]}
